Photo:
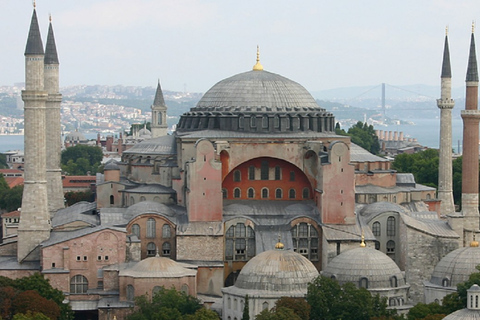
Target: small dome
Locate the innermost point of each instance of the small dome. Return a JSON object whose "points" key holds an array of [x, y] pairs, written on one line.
{"points": [[157, 267], [144, 132], [75, 136], [145, 207], [112, 165], [456, 267], [277, 270], [464, 314], [374, 265]]}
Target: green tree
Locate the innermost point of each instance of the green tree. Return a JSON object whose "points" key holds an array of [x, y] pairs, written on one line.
{"points": [[30, 316], [422, 310], [11, 199], [364, 135], [281, 313], [202, 314], [299, 306], [3, 161], [73, 197], [80, 159], [246, 309], [30, 300]]}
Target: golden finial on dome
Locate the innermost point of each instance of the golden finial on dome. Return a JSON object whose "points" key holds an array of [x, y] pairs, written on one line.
{"points": [[446, 30], [258, 66], [34, 4], [474, 242], [362, 244], [473, 26], [279, 245], [50, 17]]}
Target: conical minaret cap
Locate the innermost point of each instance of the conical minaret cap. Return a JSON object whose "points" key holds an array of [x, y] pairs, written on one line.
{"points": [[159, 101], [472, 70], [51, 56], [34, 41], [446, 70]]}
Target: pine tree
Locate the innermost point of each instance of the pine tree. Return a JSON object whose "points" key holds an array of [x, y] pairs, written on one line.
{"points": [[246, 311]]}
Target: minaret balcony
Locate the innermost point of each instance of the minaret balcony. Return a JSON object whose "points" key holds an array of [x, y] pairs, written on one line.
{"points": [[445, 103]]}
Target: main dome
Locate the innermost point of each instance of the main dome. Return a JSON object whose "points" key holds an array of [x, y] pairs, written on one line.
{"points": [[257, 101]]}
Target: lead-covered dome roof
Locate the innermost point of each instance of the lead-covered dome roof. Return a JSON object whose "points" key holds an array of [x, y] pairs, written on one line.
{"points": [[365, 263], [277, 270], [456, 266], [157, 267], [257, 101]]}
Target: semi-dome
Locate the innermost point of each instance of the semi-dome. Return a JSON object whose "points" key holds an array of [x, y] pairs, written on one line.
{"points": [[146, 207], [456, 267], [157, 267], [366, 267], [277, 270], [257, 101]]}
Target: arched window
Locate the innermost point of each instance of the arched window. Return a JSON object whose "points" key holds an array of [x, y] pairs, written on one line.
{"points": [[239, 243], [265, 305], [251, 173], [241, 121], [236, 193], [306, 193], [184, 288], [291, 194], [130, 293], [136, 230], [229, 303], [391, 226], [151, 249], [264, 170], [142, 198], [112, 200], [276, 121], [166, 249], [253, 121], [166, 231], [151, 228], [265, 193], [377, 245], [393, 282], [278, 193], [264, 122], [446, 282], [78, 284], [376, 229], [305, 240], [363, 283], [278, 173], [237, 176], [429, 196], [224, 193], [391, 249], [159, 117], [132, 200], [250, 193]]}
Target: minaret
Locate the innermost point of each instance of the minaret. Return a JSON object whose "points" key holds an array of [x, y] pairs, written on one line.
{"points": [[445, 104], [159, 114], [34, 224], [471, 118], [52, 114]]}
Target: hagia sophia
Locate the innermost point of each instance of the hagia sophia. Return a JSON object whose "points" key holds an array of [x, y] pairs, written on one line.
{"points": [[253, 194]]}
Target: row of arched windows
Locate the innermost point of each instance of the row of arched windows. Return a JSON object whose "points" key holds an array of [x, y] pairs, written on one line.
{"points": [[239, 243], [151, 229], [305, 240], [264, 173], [377, 229], [152, 249], [265, 193]]}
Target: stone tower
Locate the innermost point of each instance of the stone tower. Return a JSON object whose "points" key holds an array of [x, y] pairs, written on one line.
{"points": [[445, 104], [34, 224], [159, 114], [52, 114], [471, 118]]}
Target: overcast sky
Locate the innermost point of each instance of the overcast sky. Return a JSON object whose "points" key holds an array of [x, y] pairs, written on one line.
{"points": [[320, 44]]}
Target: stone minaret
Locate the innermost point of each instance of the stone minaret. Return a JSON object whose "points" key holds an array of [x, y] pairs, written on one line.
{"points": [[53, 138], [34, 224], [445, 104], [471, 118], [159, 114]]}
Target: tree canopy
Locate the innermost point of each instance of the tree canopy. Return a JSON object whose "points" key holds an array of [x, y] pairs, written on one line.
{"points": [[361, 134], [81, 159], [10, 198]]}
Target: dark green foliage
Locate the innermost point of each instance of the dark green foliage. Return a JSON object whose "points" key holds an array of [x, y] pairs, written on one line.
{"points": [[3, 161], [299, 306], [10, 199], [361, 134], [422, 310], [277, 314], [330, 301], [30, 316], [81, 159], [73, 197], [246, 309], [170, 304]]}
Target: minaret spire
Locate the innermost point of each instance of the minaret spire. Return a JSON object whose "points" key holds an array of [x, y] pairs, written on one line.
{"points": [[445, 104], [52, 113], [34, 40], [159, 114], [471, 118]]}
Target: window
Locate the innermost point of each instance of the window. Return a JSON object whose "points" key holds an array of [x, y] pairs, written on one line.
{"points": [[142, 198], [155, 290], [78, 284], [184, 288], [100, 285], [112, 200], [278, 193], [391, 249], [305, 240], [292, 175], [241, 121], [136, 230], [132, 201], [251, 173], [363, 283], [276, 121], [159, 117], [166, 249], [264, 170], [278, 173], [291, 194], [446, 282], [151, 228], [130, 293], [265, 193], [253, 121], [236, 193], [265, 306], [376, 229], [151, 249], [306, 193], [237, 176], [393, 282], [251, 193], [391, 226], [166, 231], [224, 193], [264, 122], [239, 243], [377, 245]]}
